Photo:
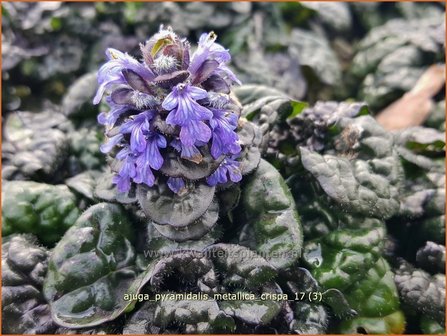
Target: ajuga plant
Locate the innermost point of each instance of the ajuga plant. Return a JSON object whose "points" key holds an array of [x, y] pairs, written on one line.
{"points": [[177, 149], [173, 129]]}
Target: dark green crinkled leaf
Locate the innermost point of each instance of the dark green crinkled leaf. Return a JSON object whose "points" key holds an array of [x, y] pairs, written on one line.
{"points": [[24, 309], [176, 167], [431, 257], [91, 268], [252, 312], [354, 188], [342, 257], [157, 245], [429, 326], [35, 145], [42, 209], [270, 210], [84, 183], [376, 301], [366, 184], [392, 57], [239, 262], [161, 205], [420, 292], [366, 282], [314, 52], [84, 149], [78, 99], [348, 258], [304, 316], [106, 190], [193, 231]]}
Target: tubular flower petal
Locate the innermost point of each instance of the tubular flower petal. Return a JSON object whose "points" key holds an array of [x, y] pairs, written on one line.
{"points": [[229, 168]]}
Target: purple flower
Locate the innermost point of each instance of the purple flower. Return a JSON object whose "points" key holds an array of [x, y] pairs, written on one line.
{"points": [[176, 184], [188, 114], [225, 139], [111, 142], [138, 166], [165, 52], [138, 128], [127, 170], [111, 72], [190, 153], [109, 118], [150, 158], [209, 60], [228, 168]]}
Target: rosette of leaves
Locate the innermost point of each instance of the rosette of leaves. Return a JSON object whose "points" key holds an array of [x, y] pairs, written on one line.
{"points": [[288, 124], [392, 57], [174, 132], [310, 129], [419, 228], [35, 145], [95, 265], [371, 15], [422, 196], [216, 271], [275, 53], [24, 265], [344, 191]]}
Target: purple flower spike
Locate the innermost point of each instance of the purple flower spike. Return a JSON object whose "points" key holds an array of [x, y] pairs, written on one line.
{"points": [[169, 97]]}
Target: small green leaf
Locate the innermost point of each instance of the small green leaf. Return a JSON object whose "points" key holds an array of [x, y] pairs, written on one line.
{"points": [[297, 108], [270, 210]]}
